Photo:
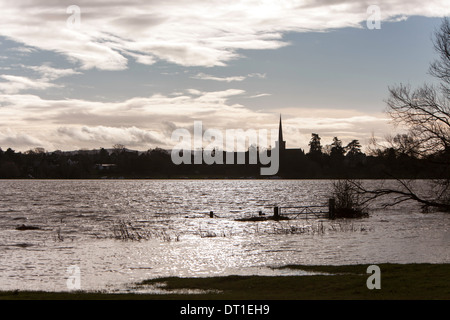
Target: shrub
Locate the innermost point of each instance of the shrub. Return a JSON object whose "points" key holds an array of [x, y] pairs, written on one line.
{"points": [[348, 202]]}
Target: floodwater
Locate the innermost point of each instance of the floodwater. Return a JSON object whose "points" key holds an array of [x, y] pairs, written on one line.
{"points": [[115, 233]]}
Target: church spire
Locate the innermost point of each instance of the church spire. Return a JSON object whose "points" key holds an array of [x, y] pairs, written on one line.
{"points": [[281, 142], [280, 131]]}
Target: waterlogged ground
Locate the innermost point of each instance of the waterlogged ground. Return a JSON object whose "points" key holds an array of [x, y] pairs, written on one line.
{"points": [[112, 234]]}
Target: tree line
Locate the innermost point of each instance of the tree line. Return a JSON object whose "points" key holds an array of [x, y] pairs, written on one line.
{"points": [[332, 161]]}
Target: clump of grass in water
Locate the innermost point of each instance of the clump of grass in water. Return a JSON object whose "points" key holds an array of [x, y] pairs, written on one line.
{"points": [[318, 229], [211, 234], [291, 229], [167, 237], [59, 237], [347, 227], [123, 230]]}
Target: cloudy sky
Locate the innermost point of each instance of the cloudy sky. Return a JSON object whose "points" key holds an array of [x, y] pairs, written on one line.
{"points": [[90, 74]]}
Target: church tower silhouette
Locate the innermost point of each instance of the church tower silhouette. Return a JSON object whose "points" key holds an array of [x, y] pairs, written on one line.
{"points": [[281, 143]]}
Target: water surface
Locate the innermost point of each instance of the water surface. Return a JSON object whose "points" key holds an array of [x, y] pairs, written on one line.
{"points": [[80, 223]]}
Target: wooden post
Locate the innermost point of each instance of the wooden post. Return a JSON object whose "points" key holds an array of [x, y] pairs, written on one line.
{"points": [[211, 214], [331, 208], [276, 212]]}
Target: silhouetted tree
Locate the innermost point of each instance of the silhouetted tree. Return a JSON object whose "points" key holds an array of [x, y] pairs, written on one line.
{"points": [[118, 148], [337, 150], [9, 170], [426, 113], [404, 145], [354, 156], [353, 148], [103, 156], [314, 144], [10, 153], [440, 68], [315, 147]]}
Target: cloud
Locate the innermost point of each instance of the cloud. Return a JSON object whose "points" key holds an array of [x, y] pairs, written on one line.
{"points": [[203, 76], [20, 140], [138, 122], [193, 33], [49, 73], [130, 137], [15, 84], [22, 50], [260, 95], [257, 75], [147, 122]]}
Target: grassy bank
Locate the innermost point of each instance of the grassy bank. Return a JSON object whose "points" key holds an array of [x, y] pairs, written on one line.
{"points": [[398, 281]]}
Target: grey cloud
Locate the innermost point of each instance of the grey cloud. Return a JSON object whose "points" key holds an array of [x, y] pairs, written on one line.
{"points": [[129, 136], [15, 84], [203, 76], [19, 140], [49, 73]]}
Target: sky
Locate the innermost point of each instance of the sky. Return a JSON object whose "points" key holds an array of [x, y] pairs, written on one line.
{"points": [[90, 74]]}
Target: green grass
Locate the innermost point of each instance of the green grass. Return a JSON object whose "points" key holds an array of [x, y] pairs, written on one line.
{"points": [[398, 281]]}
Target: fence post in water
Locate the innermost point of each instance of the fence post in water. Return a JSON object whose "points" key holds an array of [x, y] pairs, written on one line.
{"points": [[331, 209], [211, 214], [276, 212]]}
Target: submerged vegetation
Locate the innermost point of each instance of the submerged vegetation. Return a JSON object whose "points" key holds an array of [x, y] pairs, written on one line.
{"points": [[348, 202], [125, 231], [320, 228]]}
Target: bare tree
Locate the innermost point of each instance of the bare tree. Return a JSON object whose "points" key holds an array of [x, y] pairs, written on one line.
{"points": [[425, 112], [441, 67], [436, 194], [118, 148], [404, 144], [37, 150]]}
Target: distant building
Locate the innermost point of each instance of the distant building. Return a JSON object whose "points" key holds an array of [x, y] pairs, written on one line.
{"points": [[105, 166], [286, 154]]}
